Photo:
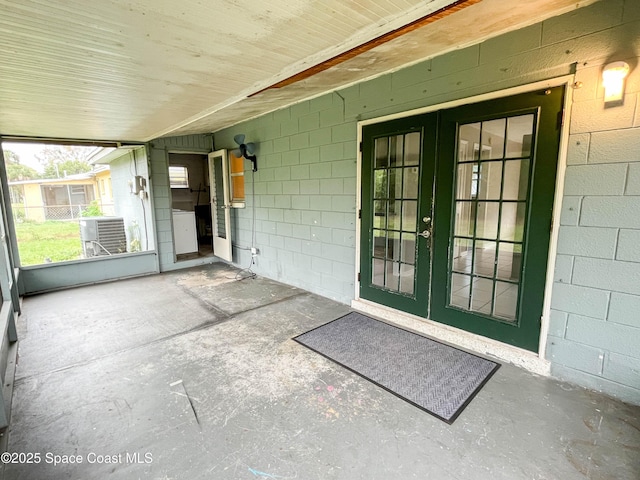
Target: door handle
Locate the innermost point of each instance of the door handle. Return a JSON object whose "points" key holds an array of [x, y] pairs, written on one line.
{"points": [[425, 234]]}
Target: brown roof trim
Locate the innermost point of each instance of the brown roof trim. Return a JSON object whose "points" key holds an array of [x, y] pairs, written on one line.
{"points": [[342, 57]]}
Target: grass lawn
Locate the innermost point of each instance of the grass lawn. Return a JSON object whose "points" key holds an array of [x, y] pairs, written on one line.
{"points": [[56, 241]]}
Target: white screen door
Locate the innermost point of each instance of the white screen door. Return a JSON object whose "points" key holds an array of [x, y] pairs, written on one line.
{"points": [[220, 204]]}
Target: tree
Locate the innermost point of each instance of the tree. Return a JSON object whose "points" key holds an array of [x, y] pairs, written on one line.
{"points": [[63, 169], [15, 171], [62, 160], [11, 158]]}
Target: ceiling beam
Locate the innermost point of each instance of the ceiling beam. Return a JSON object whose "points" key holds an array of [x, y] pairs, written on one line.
{"points": [[355, 51]]}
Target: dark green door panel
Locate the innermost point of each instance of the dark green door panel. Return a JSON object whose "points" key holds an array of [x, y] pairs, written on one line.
{"points": [[398, 159], [495, 184], [485, 173]]}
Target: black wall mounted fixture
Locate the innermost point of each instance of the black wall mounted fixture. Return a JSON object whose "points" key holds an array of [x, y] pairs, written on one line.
{"points": [[246, 150]]}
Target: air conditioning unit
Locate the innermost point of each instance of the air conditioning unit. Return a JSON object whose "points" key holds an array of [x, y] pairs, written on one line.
{"points": [[102, 236]]}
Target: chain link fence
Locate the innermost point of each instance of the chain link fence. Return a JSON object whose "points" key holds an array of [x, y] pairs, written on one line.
{"points": [[51, 233], [63, 212], [45, 213]]}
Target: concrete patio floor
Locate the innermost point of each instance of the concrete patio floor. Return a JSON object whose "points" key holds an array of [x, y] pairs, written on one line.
{"points": [[193, 375]]}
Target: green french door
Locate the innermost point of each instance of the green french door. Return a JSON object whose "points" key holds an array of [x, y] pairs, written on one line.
{"points": [[398, 160], [485, 191]]}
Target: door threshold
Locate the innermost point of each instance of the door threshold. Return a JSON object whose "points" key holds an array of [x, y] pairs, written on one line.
{"points": [[519, 357]]}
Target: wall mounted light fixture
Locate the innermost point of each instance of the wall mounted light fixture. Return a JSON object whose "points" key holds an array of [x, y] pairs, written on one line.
{"points": [[613, 77]]}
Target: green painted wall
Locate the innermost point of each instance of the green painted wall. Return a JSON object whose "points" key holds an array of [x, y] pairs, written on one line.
{"points": [[55, 276], [305, 196], [305, 189], [159, 167]]}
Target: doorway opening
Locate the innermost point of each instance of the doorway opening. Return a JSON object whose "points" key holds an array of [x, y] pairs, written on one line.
{"points": [[190, 204]]}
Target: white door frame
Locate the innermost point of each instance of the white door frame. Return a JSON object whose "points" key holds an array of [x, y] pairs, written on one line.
{"points": [[535, 362]]}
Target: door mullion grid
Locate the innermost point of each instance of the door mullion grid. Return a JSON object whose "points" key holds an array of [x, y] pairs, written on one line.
{"points": [[475, 226], [500, 202], [386, 217], [401, 169]]}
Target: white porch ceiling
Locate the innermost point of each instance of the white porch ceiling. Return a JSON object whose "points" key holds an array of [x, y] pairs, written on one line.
{"points": [[134, 70]]}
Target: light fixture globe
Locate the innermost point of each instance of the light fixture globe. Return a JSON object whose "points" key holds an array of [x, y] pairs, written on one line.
{"points": [[613, 77]]}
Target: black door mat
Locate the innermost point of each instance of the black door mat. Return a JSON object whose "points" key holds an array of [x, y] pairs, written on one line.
{"points": [[435, 377]]}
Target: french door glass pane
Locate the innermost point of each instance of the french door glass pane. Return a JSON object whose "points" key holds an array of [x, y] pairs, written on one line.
{"points": [[393, 214], [380, 214], [465, 219], [393, 246], [519, 135], [381, 153], [462, 255], [460, 290], [409, 215], [492, 138], [487, 220], [460, 284], [408, 248], [484, 258], [509, 261], [379, 243], [490, 180], [410, 183], [380, 184], [482, 291], [392, 276], [395, 182], [512, 222], [468, 141], [467, 181], [516, 179], [407, 278], [396, 145], [377, 272], [412, 148], [506, 300], [491, 197]]}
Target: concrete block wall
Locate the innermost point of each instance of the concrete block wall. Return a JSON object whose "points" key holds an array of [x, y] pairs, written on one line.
{"points": [[130, 207], [594, 335], [159, 174], [305, 197], [305, 188]]}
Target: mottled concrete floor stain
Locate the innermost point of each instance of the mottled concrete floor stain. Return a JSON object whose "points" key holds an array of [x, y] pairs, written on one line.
{"points": [[613, 442], [205, 277], [200, 371], [345, 400]]}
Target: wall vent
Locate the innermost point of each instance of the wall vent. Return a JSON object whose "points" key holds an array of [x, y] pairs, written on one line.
{"points": [[102, 236]]}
